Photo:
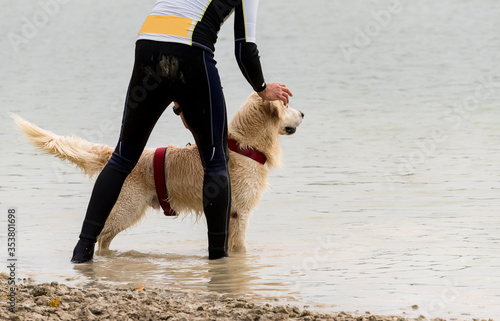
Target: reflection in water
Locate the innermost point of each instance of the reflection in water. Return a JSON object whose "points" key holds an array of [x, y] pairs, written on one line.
{"points": [[237, 275], [232, 275]]}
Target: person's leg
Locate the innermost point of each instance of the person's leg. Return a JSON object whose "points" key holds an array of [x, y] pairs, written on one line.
{"points": [[204, 110], [146, 100]]}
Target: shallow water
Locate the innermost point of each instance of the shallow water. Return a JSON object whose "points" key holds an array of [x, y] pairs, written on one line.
{"points": [[388, 195]]}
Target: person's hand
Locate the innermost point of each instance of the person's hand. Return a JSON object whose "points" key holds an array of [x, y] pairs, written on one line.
{"points": [[276, 91]]}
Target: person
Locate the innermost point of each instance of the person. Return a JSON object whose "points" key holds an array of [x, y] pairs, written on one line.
{"points": [[174, 61]]}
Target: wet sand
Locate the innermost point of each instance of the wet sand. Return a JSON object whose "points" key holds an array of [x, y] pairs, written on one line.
{"points": [[54, 301]]}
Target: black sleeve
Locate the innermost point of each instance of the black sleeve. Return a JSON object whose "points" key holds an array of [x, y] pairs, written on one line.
{"points": [[248, 60], [246, 52]]}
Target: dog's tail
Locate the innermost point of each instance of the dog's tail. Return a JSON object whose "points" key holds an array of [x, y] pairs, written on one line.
{"points": [[89, 157]]}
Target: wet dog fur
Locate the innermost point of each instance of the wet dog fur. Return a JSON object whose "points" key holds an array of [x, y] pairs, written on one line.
{"points": [[257, 124]]}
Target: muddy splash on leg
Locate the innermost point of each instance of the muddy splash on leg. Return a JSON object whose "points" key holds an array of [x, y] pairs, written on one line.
{"points": [[170, 68]]}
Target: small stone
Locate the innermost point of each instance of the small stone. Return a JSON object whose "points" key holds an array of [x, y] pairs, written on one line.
{"points": [[306, 313], [93, 294], [259, 311], [39, 291], [41, 300], [281, 309], [96, 310]]}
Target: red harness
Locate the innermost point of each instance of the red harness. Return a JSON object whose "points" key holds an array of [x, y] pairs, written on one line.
{"points": [[159, 171], [160, 184]]}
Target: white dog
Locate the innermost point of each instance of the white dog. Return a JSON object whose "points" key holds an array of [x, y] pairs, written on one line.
{"points": [[256, 127]]}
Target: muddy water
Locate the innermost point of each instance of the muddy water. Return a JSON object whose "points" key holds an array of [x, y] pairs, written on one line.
{"points": [[388, 197]]}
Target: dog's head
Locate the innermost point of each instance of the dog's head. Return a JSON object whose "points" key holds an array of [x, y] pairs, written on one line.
{"points": [[289, 118], [258, 115], [258, 124]]}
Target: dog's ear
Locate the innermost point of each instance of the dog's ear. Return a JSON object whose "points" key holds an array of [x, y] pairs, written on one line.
{"points": [[277, 108]]}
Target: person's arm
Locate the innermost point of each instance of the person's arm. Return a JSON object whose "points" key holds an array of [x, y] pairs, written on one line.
{"points": [[247, 54]]}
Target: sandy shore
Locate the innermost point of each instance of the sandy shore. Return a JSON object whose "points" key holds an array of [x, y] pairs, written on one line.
{"points": [[56, 301]]}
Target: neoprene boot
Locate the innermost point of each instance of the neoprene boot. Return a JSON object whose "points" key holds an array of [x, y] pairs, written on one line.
{"points": [[104, 195], [217, 204], [83, 252]]}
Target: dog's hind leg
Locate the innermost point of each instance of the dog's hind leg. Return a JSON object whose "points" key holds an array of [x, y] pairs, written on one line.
{"points": [[126, 213], [238, 225], [105, 239], [114, 225]]}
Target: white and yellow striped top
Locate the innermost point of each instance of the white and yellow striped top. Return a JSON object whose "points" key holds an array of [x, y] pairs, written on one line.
{"points": [[197, 22]]}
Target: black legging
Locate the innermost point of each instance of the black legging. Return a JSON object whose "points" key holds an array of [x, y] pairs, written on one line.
{"points": [[164, 72]]}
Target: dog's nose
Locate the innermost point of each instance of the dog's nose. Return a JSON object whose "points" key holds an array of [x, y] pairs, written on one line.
{"points": [[302, 114]]}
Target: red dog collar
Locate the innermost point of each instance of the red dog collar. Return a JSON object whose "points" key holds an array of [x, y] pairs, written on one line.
{"points": [[252, 153]]}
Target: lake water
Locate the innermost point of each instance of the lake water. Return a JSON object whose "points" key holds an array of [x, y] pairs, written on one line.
{"points": [[389, 193]]}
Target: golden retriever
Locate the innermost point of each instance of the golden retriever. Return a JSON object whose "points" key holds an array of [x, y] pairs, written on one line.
{"points": [[256, 125]]}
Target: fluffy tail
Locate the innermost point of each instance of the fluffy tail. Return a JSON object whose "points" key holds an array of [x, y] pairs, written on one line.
{"points": [[89, 157]]}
